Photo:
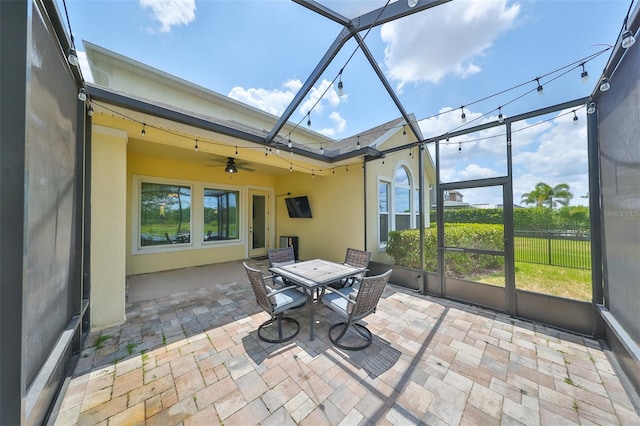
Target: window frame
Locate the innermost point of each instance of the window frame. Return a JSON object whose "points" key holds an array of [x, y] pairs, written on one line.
{"points": [[196, 216], [410, 187], [382, 181]]}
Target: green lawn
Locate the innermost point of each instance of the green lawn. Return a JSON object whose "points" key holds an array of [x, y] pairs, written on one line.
{"points": [[564, 252], [555, 280]]}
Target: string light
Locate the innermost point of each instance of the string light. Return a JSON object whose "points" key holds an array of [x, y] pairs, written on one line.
{"points": [[340, 85], [500, 116], [584, 75], [82, 94], [90, 111], [463, 117], [540, 89], [73, 57], [628, 39], [575, 118], [309, 119], [459, 147], [290, 167], [404, 130], [591, 107], [313, 173], [143, 132], [289, 145], [358, 143], [236, 151], [196, 147], [321, 149], [604, 84]]}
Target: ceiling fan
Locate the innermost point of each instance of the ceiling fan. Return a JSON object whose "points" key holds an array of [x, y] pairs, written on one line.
{"points": [[232, 167]]}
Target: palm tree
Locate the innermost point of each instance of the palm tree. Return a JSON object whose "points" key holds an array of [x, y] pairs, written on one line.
{"points": [[543, 194]]}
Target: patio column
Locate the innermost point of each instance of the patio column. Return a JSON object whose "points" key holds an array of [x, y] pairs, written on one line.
{"points": [[108, 226]]}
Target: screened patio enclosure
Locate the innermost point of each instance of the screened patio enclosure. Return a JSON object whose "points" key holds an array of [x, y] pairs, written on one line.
{"points": [[47, 247]]}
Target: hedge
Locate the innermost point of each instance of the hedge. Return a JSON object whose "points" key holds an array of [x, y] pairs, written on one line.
{"points": [[404, 247], [526, 219]]}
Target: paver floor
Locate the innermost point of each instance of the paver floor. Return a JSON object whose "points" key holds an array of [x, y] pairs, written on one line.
{"points": [[194, 358]]}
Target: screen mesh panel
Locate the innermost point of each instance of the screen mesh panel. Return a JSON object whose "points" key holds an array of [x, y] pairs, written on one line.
{"points": [[619, 126]]}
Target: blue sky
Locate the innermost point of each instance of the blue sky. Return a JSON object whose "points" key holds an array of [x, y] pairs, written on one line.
{"points": [[261, 52]]}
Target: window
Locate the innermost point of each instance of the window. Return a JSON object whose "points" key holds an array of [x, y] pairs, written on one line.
{"points": [[402, 199], [165, 214], [221, 214], [384, 189]]}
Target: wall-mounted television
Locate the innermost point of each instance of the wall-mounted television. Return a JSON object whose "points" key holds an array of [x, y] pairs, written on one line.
{"points": [[298, 207]]}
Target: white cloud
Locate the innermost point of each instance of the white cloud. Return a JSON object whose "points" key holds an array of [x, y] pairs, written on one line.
{"points": [[275, 101], [445, 39], [171, 12], [341, 125], [272, 101]]}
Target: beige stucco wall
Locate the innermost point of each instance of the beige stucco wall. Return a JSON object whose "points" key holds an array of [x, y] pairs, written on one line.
{"points": [[108, 226], [336, 202], [147, 167]]}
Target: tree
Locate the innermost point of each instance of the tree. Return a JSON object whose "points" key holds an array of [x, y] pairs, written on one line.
{"points": [[545, 195]]}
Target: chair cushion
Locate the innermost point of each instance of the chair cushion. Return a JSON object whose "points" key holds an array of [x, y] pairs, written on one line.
{"points": [[290, 298], [338, 303]]}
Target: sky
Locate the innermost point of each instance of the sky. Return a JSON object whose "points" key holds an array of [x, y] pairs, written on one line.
{"points": [[462, 53]]}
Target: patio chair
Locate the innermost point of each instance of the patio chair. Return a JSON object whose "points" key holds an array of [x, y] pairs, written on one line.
{"points": [[275, 303], [280, 257], [353, 305], [357, 258]]}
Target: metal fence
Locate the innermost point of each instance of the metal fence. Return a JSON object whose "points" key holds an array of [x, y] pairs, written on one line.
{"points": [[570, 249]]}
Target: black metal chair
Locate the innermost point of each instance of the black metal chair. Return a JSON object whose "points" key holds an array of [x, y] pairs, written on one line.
{"points": [[353, 305], [280, 257], [275, 302], [358, 259]]}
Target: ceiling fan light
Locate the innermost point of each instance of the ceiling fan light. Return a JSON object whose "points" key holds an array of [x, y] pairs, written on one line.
{"points": [[231, 168]]}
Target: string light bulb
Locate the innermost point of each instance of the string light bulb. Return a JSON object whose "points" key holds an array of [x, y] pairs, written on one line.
{"points": [[90, 111], [309, 119], [404, 130], [628, 39], [321, 149], [459, 146], [604, 84], [358, 143], [72, 57], [236, 151], [463, 116], [82, 95], [412, 3], [575, 118], [340, 85], [500, 116], [196, 146], [540, 89], [289, 145], [591, 107], [143, 132], [290, 167], [313, 173], [584, 75]]}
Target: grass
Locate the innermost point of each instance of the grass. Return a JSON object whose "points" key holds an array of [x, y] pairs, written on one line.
{"points": [[99, 342], [555, 280], [563, 252]]}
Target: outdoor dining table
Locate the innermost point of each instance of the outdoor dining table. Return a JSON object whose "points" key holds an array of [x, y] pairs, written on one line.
{"points": [[313, 275]]}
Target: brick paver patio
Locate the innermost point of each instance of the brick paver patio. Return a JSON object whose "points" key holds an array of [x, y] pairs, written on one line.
{"points": [[194, 358]]}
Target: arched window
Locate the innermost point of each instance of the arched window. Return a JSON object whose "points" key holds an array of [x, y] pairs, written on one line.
{"points": [[402, 199]]}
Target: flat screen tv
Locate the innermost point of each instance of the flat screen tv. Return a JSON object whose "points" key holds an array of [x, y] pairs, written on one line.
{"points": [[298, 207]]}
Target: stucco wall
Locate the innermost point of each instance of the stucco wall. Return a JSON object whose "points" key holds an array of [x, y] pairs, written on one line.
{"points": [[144, 167], [108, 213], [337, 205]]}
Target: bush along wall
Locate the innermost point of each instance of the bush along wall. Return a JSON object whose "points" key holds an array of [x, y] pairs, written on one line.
{"points": [[574, 218], [404, 247]]}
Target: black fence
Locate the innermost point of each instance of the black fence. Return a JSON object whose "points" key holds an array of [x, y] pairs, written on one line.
{"points": [[570, 249]]}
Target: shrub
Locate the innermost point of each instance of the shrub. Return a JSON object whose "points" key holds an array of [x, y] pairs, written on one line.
{"points": [[404, 247]]}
